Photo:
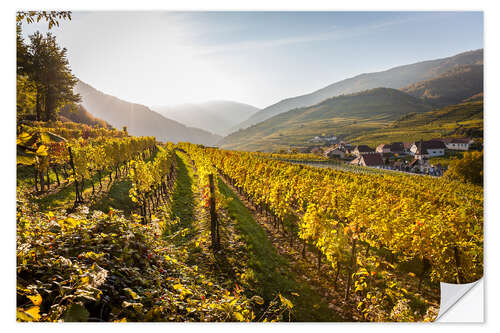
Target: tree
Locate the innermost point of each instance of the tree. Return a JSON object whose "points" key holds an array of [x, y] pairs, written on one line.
{"points": [[22, 55], [51, 17], [25, 96], [468, 169], [44, 80], [49, 69], [25, 87]]}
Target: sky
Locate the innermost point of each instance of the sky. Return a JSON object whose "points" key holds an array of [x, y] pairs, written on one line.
{"points": [[258, 58]]}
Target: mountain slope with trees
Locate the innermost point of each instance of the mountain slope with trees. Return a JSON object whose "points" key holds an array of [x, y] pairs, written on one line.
{"points": [[397, 77], [339, 116], [139, 119], [451, 87]]}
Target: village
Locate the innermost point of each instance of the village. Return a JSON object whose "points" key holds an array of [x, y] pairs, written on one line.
{"points": [[430, 157]]}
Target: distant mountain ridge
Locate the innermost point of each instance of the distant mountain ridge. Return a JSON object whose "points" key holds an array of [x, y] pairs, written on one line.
{"points": [[139, 119], [397, 77], [214, 116]]}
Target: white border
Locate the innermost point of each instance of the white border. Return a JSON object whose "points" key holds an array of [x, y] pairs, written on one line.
{"points": [[7, 132]]}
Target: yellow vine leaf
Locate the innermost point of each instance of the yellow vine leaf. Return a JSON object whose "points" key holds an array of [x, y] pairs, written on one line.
{"points": [[36, 299], [285, 301], [34, 312], [239, 316]]}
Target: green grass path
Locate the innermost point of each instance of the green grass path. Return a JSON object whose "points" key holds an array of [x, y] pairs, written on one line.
{"points": [[183, 199]]}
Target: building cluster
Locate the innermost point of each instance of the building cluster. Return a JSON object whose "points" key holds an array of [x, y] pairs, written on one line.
{"points": [[394, 155], [324, 139]]}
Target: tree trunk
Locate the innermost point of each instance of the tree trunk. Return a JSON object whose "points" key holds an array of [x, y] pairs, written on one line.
{"points": [[38, 106]]}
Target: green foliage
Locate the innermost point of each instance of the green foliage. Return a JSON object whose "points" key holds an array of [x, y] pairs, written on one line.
{"points": [[468, 169], [48, 74], [105, 267], [25, 96]]}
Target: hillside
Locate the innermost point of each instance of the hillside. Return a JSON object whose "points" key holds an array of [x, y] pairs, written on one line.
{"points": [[214, 116], [340, 116], [397, 77], [139, 119], [465, 119], [451, 87], [78, 114]]}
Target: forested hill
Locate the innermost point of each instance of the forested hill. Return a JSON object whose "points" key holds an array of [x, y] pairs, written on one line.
{"points": [[341, 116], [397, 77], [139, 119], [451, 87]]}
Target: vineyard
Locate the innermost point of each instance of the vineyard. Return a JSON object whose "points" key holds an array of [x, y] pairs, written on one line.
{"points": [[112, 227]]}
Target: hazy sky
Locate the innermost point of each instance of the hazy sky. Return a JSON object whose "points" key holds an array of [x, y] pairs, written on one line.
{"points": [[259, 58]]}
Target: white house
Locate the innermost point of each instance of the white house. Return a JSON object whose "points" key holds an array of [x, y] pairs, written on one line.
{"points": [[430, 148], [323, 138], [458, 143]]}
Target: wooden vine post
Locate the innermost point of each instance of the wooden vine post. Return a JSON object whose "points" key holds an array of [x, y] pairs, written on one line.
{"points": [[77, 192], [214, 225]]}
